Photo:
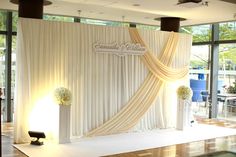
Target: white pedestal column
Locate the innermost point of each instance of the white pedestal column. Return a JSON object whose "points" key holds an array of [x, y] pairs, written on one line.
{"points": [[184, 117], [64, 124]]}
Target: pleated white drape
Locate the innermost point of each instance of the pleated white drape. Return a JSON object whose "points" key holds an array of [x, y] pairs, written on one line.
{"points": [[145, 96], [53, 54]]}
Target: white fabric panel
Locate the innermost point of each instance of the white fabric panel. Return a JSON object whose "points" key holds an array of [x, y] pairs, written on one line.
{"points": [[163, 113], [52, 54]]}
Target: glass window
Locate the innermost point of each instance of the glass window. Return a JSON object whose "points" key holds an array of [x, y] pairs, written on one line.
{"points": [[201, 33], [58, 18], [3, 17], [227, 63], [228, 31], [200, 78], [226, 79], [14, 21], [200, 57], [13, 63], [2, 73], [148, 27], [104, 23]]}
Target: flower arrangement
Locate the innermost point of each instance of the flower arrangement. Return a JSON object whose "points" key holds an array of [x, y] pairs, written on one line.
{"points": [[62, 96], [184, 92]]}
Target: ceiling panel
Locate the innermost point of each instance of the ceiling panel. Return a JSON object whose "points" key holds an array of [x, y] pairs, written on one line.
{"points": [[230, 1], [139, 11]]}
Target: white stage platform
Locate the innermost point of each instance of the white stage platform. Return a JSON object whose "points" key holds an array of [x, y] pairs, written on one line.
{"points": [[127, 142]]}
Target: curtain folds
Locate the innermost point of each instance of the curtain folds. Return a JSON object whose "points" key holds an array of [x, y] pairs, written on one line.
{"points": [[142, 100], [133, 111], [53, 54], [158, 67]]}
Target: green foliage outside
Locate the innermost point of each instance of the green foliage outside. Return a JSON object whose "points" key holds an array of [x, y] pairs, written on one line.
{"points": [[2, 45], [104, 23], [228, 58], [58, 18], [197, 63], [232, 89], [2, 28], [3, 20], [228, 31], [14, 21], [200, 33]]}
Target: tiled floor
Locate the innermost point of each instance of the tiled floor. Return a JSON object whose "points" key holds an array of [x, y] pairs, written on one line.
{"points": [[8, 150], [186, 150], [180, 150], [193, 148], [7, 140]]}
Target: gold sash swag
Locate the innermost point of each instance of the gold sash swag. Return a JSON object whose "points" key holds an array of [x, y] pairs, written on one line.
{"points": [[159, 72]]}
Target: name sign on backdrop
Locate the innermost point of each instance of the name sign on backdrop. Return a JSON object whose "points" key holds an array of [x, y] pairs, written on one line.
{"points": [[120, 49]]}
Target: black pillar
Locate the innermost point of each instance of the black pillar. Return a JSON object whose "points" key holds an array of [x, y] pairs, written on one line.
{"points": [[213, 108], [31, 8], [170, 24], [8, 69]]}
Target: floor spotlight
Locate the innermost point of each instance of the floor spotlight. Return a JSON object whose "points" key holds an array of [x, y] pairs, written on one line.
{"points": [[37, 135]]}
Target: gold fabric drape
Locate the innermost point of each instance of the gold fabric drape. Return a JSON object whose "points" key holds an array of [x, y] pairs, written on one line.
{"points": [[145, 96], [156, 66]]}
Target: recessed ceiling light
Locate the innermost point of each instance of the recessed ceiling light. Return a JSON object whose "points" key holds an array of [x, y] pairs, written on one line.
{"points": [[136, 5]]}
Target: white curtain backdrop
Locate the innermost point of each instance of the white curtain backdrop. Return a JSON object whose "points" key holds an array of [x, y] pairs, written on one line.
{"points": [[53, 54]]}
